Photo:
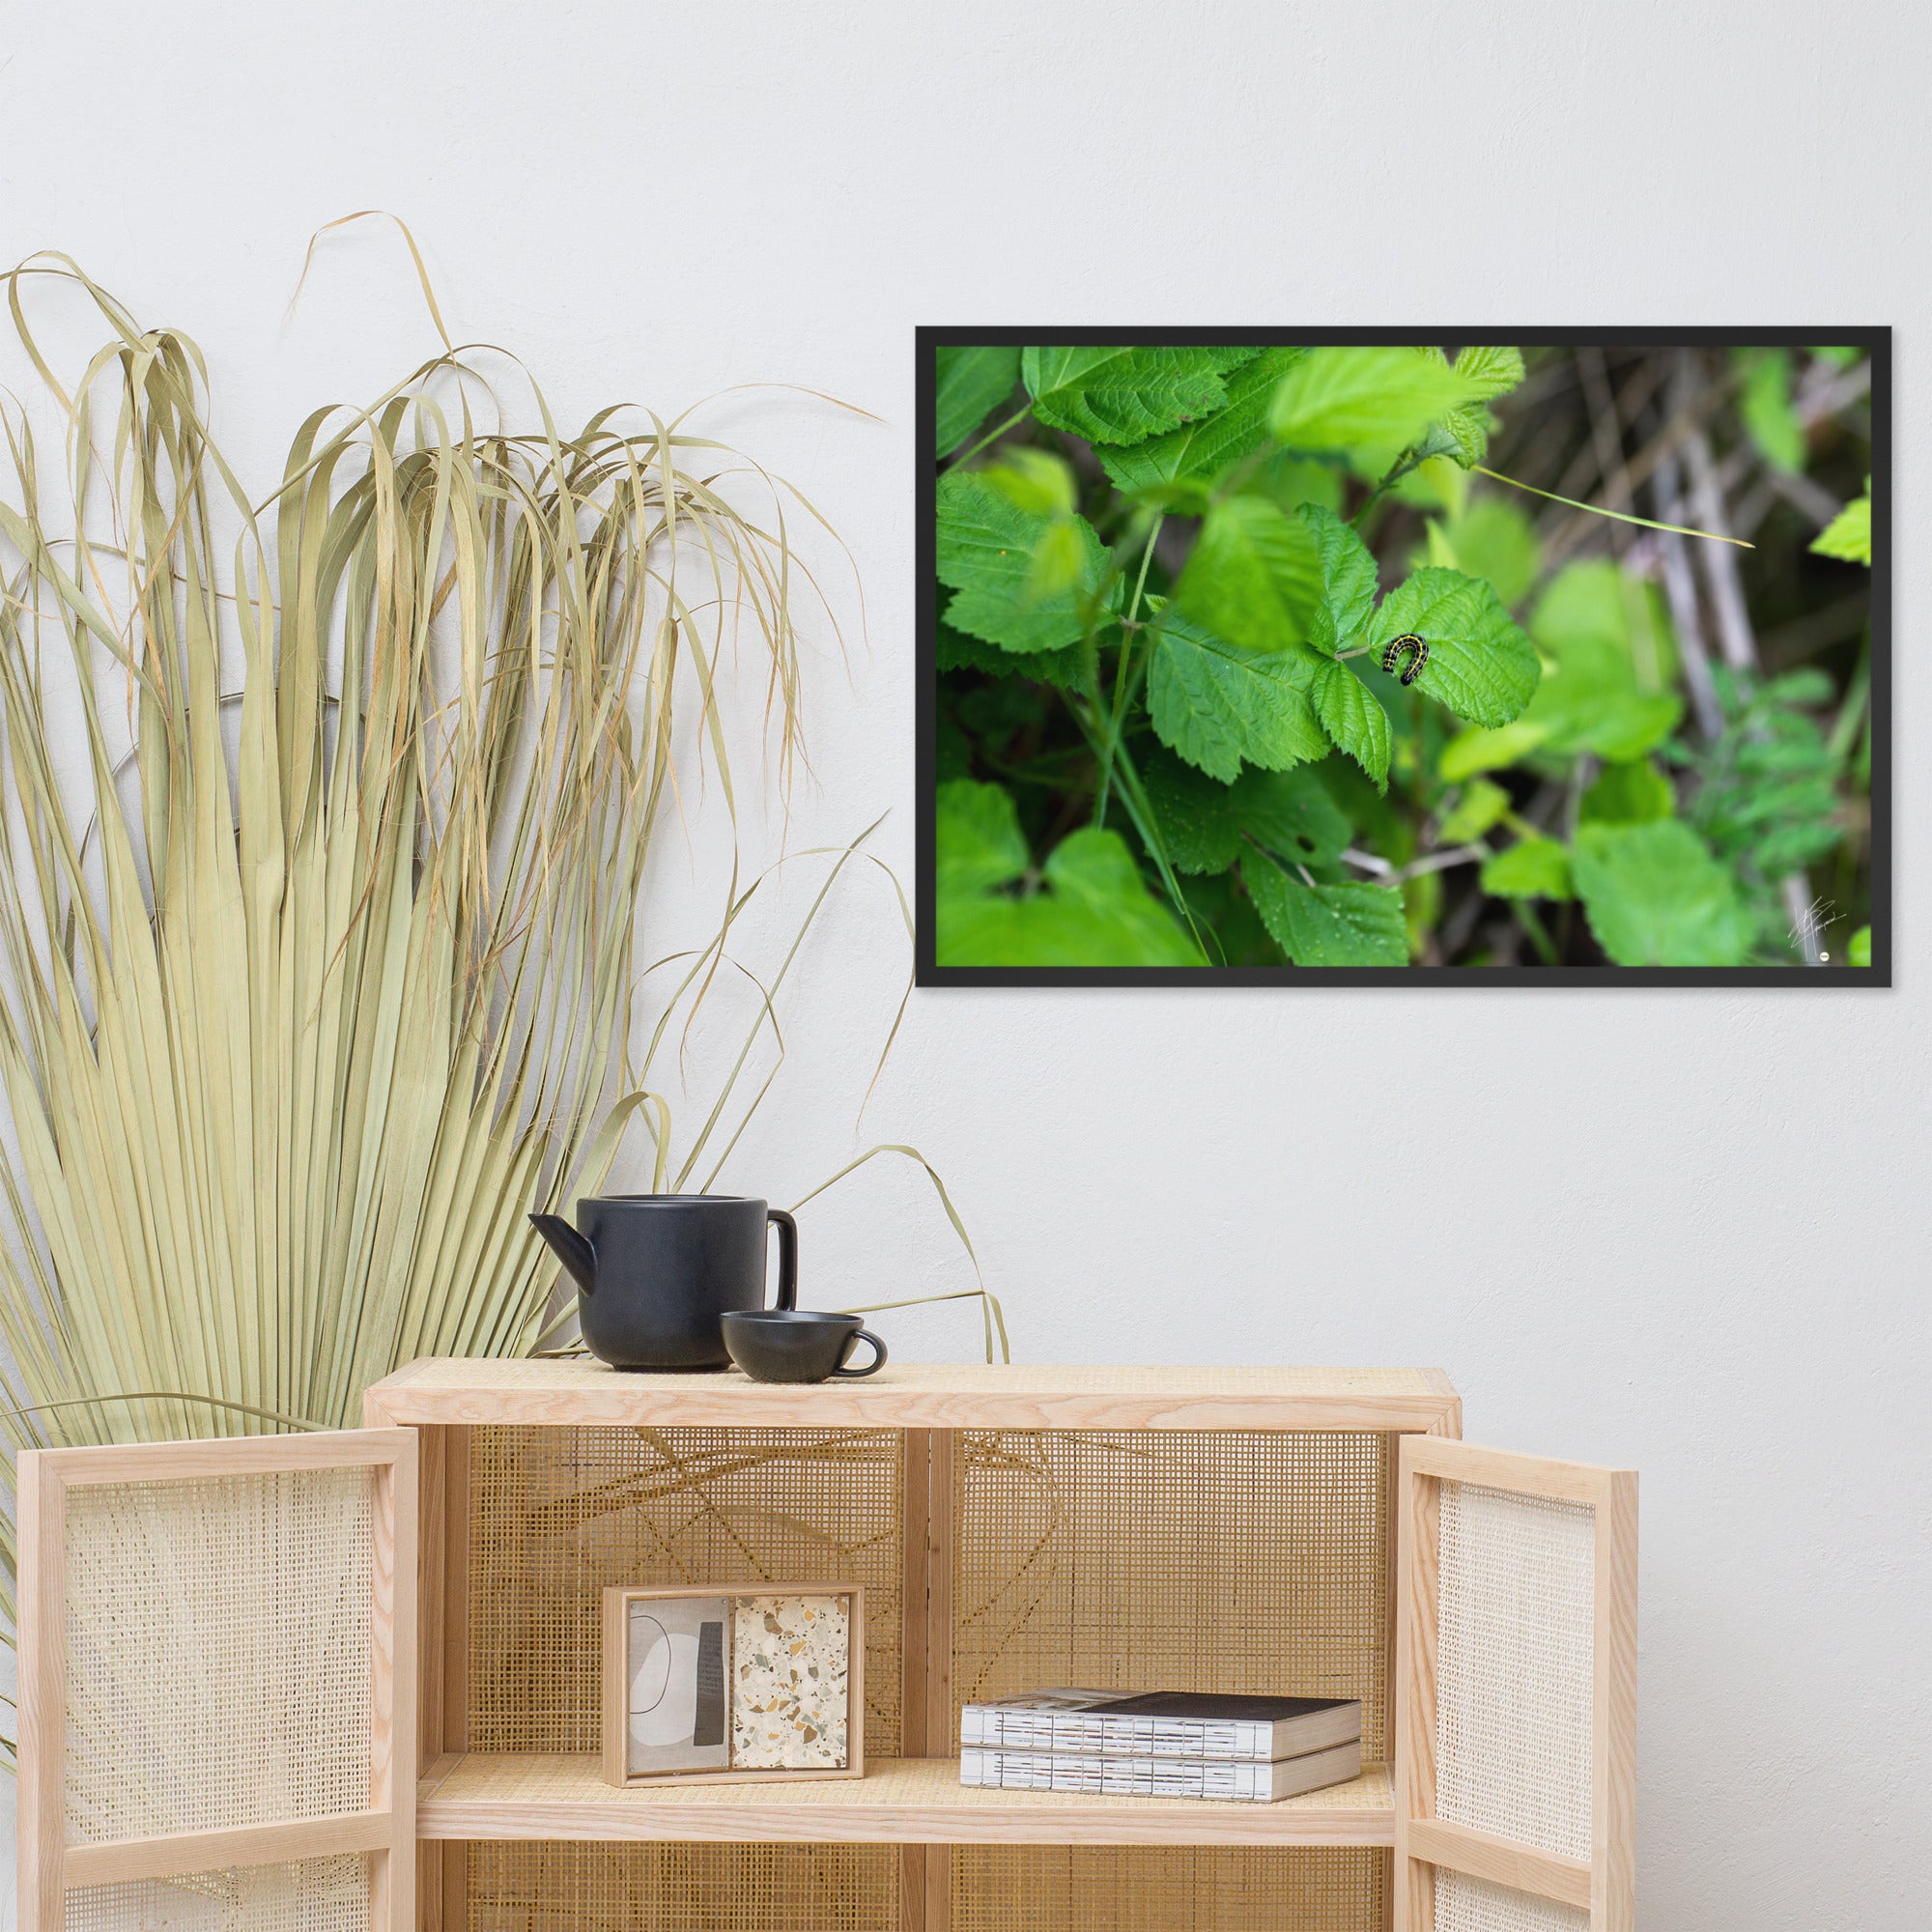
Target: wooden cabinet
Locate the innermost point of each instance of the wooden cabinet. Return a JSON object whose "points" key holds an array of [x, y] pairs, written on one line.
{"points": [[1319, 1530]]}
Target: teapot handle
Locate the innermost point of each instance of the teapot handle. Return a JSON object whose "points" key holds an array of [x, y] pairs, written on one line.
{"points": [[787, 1257]]}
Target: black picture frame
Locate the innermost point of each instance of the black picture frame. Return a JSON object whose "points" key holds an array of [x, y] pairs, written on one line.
{"points": [[1875, 342]]}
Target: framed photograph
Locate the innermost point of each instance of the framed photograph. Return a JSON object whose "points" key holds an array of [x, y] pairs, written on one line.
{"points": [[1378, 656], [753, 1685]]}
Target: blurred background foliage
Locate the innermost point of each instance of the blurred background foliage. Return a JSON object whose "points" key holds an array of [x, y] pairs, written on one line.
{"points": [[1689, 784]]}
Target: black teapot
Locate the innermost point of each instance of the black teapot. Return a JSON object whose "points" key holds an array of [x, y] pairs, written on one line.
{"points": [[655, 1272]]}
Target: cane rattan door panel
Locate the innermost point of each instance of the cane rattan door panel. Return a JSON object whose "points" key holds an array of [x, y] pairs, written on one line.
{"points": [[1516, 1693], [217, 1704]]}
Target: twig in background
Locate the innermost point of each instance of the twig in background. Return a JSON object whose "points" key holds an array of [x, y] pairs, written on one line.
{"points": [[1739, 643], [1680, 589]]}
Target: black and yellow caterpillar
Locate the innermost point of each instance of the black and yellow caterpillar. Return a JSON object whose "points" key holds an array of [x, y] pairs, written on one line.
{"points": [[1417, 647]]}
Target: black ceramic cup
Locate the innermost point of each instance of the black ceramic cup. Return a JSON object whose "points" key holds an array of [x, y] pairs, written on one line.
{"points": [[791, 1344]]}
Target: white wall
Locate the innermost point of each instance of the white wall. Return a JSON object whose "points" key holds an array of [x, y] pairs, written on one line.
{"points": [[1681, 1229]]}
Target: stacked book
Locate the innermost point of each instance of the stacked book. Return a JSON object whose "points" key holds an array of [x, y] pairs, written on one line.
{"points": [[1164, 1744]]}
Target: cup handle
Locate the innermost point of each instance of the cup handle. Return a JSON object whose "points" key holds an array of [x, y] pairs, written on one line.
{"points": [[872, 1367], [787, 1257]]}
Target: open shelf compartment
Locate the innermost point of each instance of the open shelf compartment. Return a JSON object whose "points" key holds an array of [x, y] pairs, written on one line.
{"points": [[1209, 1528]]}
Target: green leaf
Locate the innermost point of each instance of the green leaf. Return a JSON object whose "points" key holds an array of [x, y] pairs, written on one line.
{"points": [[1609, 686], [986, 548], [1125, 395], [1533, 869], [1346, 598], [1176, 467], [1346, 924], [1491, 373], [956, 651], [1481, 805], [1596, 602], [978, 836], [1859, 951], [1589, 702], [1765, 406], [1195, 813], [1218, 704], [970, 382], [1096, 910], [1376, 399], [1635, 793], [1254, 575], [1352, 716], [1288, 481], [1481, 666], [1495, 540], [1035, 480], [1656, 896], [1848, 535], [1202, 820], [1468, 752]]}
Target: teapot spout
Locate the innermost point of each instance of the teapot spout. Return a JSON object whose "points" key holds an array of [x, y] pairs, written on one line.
{"points": [[570, 1248]]}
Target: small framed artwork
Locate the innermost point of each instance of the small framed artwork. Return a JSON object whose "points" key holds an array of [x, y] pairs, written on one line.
{"points": [[749, 1685]]}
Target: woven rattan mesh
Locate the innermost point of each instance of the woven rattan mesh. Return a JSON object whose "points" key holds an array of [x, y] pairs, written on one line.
{"points": [[218, 1651], [1251, 1561], [538, 1886], [314, 1896], [1121, 1889], [558, 1514], [1515, 1650], [1465, 1904]]}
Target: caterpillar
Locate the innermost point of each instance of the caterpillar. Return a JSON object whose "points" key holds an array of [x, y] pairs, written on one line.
{"points": [[1418, 650]]}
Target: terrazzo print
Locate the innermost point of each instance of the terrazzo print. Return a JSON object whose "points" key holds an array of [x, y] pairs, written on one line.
{"points": [[789, 1662]]}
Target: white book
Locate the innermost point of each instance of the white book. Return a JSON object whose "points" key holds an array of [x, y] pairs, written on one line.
{"points": [[1231, 1782], [1162, 1723]]}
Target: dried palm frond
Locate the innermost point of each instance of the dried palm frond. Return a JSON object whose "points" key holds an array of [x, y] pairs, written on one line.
{"points": [[317, 973]]}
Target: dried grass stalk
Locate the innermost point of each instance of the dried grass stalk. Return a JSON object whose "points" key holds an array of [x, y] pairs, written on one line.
{"points": [[315, 984]]}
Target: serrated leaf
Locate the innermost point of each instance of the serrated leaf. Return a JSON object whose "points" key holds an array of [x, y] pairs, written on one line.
{"points": [[986, 546], [968, 383], [1253, 576], [1195, 813], [1481, 666], [1348, 583], [1491, 372], [1656, 896], [1481, 805], [1218, 704], [1635, 793], [956, 651], [1343, 925], [1177, 465], [1532, 868], [1352, 716], [1293, 813], [1201, 821], [1381, 399], [1126, 395], [1848, 535]]}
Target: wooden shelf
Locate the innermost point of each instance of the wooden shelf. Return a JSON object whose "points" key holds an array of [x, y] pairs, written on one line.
{"points": [[898, 1802], [917, 1395]]}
